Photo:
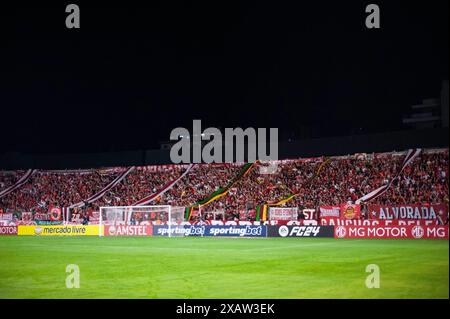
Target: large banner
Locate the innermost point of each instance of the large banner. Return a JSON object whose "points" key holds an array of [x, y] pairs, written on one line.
{"points": [[326, 212], [27, 217], [350, 211], [94, 218], [41, 217], [6, 216], [378, 222], [60, 230], [434, 211], [161, 168], [48, 222], [52, 217], [128, 230], [283, 213], [8, 230], [417, 232], [55, 213], [300, 231], [7, 219], [309, 214], [210, 230]]}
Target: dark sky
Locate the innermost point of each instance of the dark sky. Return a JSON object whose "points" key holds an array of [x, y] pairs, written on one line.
{"points": [[132, 74]]}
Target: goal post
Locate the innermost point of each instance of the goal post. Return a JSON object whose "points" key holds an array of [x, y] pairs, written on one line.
{"points": [[140, 215]]}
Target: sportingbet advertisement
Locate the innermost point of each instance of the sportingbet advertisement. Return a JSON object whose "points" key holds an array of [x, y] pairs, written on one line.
{"points": [[211, 231]]}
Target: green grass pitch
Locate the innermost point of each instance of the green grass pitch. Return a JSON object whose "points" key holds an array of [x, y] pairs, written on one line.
{"points": [[158, 267]]}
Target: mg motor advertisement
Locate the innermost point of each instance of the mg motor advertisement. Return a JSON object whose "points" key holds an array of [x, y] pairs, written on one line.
{"points": [[378, 222], [417, 232], [8, 230]]}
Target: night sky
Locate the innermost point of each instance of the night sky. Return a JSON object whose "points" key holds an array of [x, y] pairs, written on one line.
{"points": [[132, 74]]}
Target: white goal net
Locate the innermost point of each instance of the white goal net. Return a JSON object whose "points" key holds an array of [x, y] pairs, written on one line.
{"points": [[141, 215]]}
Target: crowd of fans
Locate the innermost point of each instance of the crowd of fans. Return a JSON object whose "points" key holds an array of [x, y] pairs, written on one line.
{"points": [[424, 181], [338, 180], [347, 179], [8, 179], [60, 189], [313, 182]]}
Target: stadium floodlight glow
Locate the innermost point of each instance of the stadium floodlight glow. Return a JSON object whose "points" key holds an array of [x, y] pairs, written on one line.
{"points": [[126, 215]]}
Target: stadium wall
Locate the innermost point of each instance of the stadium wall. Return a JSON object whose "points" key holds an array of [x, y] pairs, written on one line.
{"points": [[383, 142]]}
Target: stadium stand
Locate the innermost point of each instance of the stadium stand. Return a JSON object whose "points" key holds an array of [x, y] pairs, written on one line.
{"points": [[313, 182], [138, 184]]}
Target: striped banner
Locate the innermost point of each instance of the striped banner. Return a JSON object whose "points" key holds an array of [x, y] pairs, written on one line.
{"points": [[258, 213], [410, 156], [108, 187], [265, 208], [148, 199], [19, 183], [261, 212]]}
